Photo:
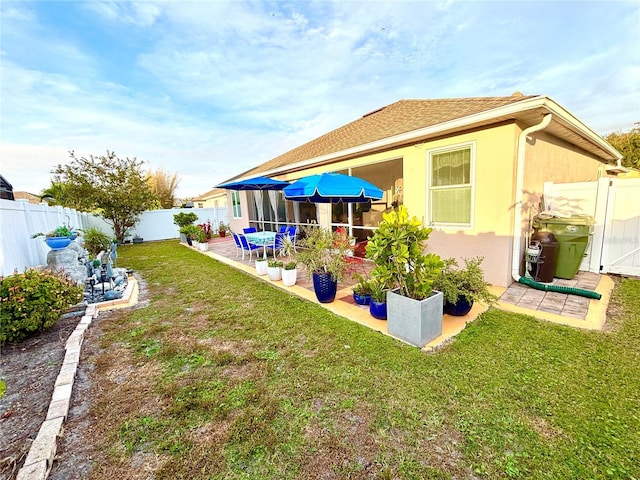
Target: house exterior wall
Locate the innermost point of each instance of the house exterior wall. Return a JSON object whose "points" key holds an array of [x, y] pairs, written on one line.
{"points": [[494, 198], [219, 201], [490, 235], [549, 159], [494, 176]]}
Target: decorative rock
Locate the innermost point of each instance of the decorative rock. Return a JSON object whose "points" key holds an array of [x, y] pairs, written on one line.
{"points": [[68, 261], [112, 295]]}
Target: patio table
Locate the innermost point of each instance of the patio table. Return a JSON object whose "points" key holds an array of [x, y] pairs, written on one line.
{"points": [[262, 238]]}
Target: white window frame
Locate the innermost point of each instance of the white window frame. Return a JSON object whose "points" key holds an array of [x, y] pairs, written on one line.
{"points": [[472, 177], [236, 194]]}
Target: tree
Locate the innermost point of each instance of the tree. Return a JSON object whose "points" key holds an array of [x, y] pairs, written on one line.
{"points": [[164, 185], [55, 194], [115, 188], [628, 144]]}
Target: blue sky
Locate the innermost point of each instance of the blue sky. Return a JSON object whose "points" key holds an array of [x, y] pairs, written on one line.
{"points": [[209, 89]]}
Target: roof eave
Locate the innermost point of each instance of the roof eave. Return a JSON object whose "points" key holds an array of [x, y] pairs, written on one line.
{"points": [[459, 124]]}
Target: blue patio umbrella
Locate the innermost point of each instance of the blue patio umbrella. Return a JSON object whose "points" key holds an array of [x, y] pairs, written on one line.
{"points": [[332, 188], [256, 183]]}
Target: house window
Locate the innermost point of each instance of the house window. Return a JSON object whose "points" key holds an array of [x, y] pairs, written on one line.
{"points": [[235, 202], [450, 185]]}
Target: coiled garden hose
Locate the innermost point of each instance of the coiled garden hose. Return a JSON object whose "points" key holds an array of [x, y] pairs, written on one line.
{"points": [[559, 288]]}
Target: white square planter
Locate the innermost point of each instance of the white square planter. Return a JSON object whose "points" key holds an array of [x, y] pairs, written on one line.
{"points": [[289, 277], [261, 267], [415, 321]]}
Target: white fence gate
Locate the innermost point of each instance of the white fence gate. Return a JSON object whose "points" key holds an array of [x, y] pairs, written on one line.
{"points": [[615, 205], [20, 219]]}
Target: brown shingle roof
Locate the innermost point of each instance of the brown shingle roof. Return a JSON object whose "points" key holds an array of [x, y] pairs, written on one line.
{"points": [[35, 199], [400, 117]]}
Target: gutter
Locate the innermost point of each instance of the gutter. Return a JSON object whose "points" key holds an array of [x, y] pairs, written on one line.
{"points": [[519, 192], [517, 221]]}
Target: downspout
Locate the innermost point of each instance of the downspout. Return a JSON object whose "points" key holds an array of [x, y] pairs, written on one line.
{"points": [[517, 221]]}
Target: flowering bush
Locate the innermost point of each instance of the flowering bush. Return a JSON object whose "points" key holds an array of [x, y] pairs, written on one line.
{"points": [[33, 301], [206, 228]]}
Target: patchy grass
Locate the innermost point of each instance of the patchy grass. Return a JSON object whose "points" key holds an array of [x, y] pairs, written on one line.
{"points": [[223, 376]]}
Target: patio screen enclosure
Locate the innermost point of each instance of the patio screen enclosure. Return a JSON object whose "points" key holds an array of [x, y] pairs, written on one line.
{"points": [[268, 209]]}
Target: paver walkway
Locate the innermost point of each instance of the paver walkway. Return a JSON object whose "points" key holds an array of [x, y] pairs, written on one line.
{"points": [[560, 308]]}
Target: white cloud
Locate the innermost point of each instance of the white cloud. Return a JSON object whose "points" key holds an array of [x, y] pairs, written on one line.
{"points": [[210, 89]]}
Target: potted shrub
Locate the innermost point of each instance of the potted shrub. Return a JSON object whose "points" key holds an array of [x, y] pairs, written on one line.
{"points": [[182, 220], [323, 254], [199, 239], [261, 265], [206, 228], [414, 309], [58, 238], [378, 300], [289, 270], [289, 274], [190, 232], [462, 286], [274, 270], [222, 230], [362, 290]]}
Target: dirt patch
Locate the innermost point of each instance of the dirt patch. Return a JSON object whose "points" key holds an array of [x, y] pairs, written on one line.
{"points": [[29, 370]]}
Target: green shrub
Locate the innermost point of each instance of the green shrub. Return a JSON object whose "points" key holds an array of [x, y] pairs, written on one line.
{"points": [[34, 301], [183, 219], [96, 241]]}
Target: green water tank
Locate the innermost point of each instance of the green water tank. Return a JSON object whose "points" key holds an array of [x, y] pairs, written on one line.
{"points": [[573, 235]]}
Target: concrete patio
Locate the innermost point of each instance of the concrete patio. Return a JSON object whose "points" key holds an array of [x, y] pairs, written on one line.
{"points": [[559, 308]]}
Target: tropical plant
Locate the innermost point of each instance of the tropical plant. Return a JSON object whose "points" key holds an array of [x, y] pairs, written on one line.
{"points": [[33, 301], [114, 188], [364, 285], [192, 231], [206, 228], [323, 251], [290, 265], [55, 194], [287, 247], [198, 235], [468, 282], [95, 240], [60, 231], [378, 291], [396, 248], [183, 219]]}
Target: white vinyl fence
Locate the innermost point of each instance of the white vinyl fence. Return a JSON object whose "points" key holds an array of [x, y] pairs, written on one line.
{"points": [[614, 204], [20, 219]]}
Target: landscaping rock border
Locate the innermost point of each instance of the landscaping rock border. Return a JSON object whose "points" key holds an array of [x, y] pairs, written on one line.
{"points": [[39, 460]]}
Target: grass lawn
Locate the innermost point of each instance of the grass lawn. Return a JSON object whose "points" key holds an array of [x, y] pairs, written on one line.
{"points": [[220, 375]]}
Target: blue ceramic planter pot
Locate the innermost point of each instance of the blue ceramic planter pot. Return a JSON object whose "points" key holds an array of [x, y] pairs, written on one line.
{"points": [[458, 309], [362, 299], [324, 287], [378, 310], [57, 243]]}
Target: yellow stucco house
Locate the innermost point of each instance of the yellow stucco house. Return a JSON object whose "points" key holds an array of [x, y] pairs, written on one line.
{"points": [[473, 169], [216, 198]]}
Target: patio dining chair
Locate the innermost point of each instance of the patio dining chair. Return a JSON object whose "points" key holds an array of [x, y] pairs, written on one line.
{"points": [[277, 243], [236, 239], [247, 246], [249, 230], [282, 229]]}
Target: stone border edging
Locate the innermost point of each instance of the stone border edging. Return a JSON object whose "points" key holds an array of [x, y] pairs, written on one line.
{"points": [[42, 452]]}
